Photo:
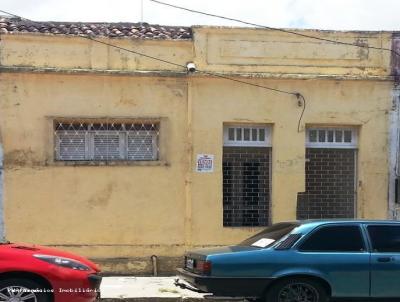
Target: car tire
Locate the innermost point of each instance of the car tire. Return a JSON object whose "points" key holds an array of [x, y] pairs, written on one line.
{"points": [[33, 291], [297, 290]]}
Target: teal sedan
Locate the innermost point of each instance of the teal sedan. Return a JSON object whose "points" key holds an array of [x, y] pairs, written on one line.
{"points": [[303, 261]]}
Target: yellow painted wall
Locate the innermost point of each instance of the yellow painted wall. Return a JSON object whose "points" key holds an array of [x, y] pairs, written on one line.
{"points": [[121, 205], [257, 50], [67, 52], [133, 211], [355, 103]]}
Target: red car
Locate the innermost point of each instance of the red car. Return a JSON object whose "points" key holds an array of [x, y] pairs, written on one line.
{"points": [[32, 273]]}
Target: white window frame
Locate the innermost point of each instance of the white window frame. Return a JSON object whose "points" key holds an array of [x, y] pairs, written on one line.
{"points": [[334, 145], [247, 143]]}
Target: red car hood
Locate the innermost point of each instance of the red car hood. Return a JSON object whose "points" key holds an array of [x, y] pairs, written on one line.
{"points": [[38, 249]]}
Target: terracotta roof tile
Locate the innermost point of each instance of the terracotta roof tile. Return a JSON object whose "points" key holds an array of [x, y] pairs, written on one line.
{"points": [[111, 30]]}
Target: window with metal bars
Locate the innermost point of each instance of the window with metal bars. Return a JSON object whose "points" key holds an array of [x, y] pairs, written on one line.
{"points": [[106, 141]]}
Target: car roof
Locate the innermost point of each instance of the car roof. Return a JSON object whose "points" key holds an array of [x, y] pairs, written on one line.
{"points": [[336, 221], [308, 225]]}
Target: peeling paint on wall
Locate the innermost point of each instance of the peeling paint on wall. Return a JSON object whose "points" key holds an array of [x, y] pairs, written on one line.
{"points": [[102, 198], [22, 158]]}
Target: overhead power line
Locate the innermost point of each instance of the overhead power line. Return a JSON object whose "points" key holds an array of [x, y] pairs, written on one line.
{"points": [[276, 29], [300, 98], [11, 14]]}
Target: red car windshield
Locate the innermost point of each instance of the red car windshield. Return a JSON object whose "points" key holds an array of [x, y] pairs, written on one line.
{"points": [[271, 234]]}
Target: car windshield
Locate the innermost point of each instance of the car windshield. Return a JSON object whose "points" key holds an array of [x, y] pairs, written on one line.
{"points": [[271, 234]]}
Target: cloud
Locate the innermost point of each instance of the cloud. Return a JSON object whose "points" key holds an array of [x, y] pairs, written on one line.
{"points": [[323, 14], [348, 14]]}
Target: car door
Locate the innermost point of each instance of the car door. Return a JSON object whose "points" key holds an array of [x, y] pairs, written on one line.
{"points": [[338, 253], [385, 260]]}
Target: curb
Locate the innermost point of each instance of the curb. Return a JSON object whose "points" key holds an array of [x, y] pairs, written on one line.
{"points": [[150, 299], [157, 299], [165, 299]]}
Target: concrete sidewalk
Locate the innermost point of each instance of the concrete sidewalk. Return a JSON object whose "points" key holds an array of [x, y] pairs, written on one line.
{"points": [[146, 289]]}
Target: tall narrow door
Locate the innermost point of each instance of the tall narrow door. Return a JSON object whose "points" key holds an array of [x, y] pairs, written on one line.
{"points": [[330, 174]]}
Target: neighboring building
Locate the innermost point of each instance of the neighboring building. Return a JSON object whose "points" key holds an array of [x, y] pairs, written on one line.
{"points": [[118, 156]]}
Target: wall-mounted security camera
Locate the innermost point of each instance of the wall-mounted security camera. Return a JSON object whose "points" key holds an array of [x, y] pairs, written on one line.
{"points": [[191, 67]]}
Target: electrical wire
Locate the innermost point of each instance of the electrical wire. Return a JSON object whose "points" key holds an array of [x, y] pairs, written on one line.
{"points": [[184, 66], [275, 28], [11, 14], [131, 51], [299, 96], [197, 70]]}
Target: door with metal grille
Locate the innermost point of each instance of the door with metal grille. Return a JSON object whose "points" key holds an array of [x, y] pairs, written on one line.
{"points": [[330, 174], [246, 175]]}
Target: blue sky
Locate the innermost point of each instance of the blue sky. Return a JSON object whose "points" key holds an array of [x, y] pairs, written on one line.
{"points": [[322, 14]]}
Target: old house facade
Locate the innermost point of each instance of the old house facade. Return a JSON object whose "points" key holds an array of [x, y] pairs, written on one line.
{"points": [[121, 155]]}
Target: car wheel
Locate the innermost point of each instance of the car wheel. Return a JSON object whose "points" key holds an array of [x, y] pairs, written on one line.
{"points": [[22, 290], [297, 290]]}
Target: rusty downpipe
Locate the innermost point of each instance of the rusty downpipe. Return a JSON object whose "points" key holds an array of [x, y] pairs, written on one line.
{"points": [[154, 261]]}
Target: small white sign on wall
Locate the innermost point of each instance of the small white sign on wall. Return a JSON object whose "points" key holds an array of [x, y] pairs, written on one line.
{"points": [[205, 163]]}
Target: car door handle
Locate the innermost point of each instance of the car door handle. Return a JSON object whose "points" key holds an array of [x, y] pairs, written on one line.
{"points": [[385, 259]]}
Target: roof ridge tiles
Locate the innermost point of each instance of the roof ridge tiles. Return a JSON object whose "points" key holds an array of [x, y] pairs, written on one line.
{"points": [[139, 30]]}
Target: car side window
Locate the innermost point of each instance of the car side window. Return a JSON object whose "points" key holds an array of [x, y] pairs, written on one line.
{"points": [[334, 239], [384, 238]]}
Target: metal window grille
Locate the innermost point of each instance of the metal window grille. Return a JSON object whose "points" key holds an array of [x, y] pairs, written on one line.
{"points": [[331, 138], [106, 141]]}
